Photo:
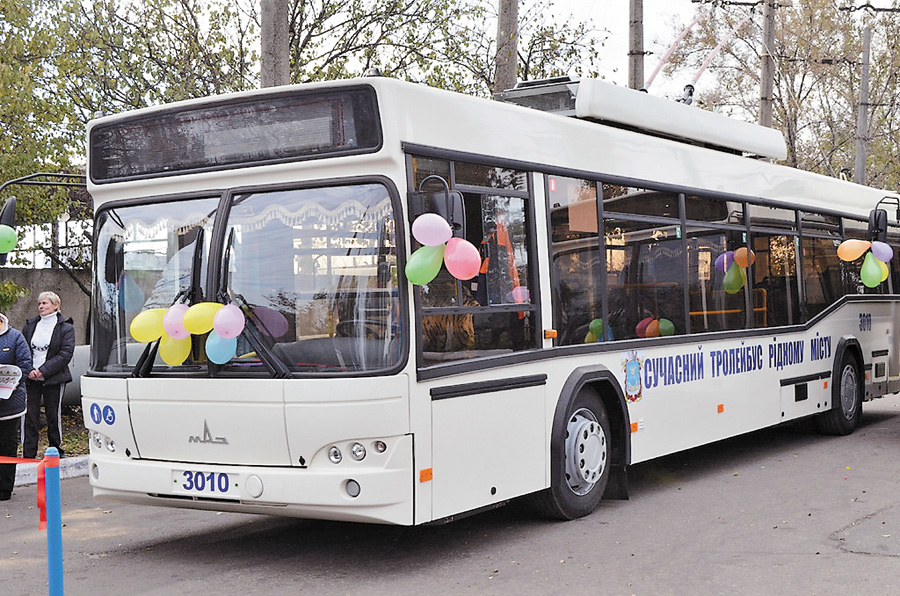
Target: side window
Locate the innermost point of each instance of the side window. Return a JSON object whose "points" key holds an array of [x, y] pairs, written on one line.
{"points": [[776, 247], [823, 273], [775, 278], [718, 285], [576, 261], [853, 284], [645, 266], [492, 313]]}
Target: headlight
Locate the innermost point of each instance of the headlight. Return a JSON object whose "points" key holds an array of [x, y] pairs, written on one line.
{"points": [[358, 451], [334, 454]]}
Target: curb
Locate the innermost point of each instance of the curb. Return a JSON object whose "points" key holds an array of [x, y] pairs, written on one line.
{"points": [[69, 467]]}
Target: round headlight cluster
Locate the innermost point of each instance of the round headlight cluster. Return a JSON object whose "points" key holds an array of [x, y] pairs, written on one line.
{"points": [[357, 451], [99, 441]]}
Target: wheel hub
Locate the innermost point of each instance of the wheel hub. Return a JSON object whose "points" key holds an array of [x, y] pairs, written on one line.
{"points": [[848, 391], [586, 452]]}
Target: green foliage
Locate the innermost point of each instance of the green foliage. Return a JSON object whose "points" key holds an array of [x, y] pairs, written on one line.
{"points": [[32, 115], [10, 292]]}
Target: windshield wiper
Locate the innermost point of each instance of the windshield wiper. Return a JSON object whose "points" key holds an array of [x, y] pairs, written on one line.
{"points": [[276, 367], [194, 294]]}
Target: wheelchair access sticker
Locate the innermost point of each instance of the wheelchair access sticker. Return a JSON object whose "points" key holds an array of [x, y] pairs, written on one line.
{"points": [[107, 414]]}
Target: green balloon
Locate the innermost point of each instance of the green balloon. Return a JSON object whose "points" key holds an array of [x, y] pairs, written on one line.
{"points": [[596, 327], [666, 327], [424, 264], [8, 238], [870, 273], [734, 280]]}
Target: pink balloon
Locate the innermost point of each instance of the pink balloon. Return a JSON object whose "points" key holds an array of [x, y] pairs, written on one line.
{"points": [[462, 259], [430, 229], [172, 321], [228, 322]]}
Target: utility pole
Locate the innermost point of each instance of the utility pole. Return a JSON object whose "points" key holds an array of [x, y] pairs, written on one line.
{"points": [[767, 71], [636, 45], [507, 46], [862, 125], [275, 61]]}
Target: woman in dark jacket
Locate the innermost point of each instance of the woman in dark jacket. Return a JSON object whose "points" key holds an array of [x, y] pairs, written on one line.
{"points": [[52, 341], [13, 351]]}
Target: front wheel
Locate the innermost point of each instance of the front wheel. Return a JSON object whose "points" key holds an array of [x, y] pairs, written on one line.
{"points": [[846, 396], [580, 465]]}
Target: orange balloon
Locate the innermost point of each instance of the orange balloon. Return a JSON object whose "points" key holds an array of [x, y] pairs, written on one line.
{"points": [[850, 250], [744, 257], [652, 329]]}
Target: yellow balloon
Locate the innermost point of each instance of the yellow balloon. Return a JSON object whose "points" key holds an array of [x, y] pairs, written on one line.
{"points": [[174, 351], [884, 270], [147, 326], [199, 317], [850, 250]]}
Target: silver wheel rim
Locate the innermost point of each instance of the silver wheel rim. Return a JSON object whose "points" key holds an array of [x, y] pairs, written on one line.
{"points": [[586, 451], [849, 391]]}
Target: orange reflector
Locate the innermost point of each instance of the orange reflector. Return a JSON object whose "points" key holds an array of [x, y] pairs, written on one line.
{"points": [[634, 427], [825, 385], [721, 408], [425, 475], [550, 334]]}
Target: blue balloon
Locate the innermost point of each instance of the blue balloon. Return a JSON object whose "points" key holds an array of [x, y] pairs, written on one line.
{"points": [[219, 349], [131, 296]]}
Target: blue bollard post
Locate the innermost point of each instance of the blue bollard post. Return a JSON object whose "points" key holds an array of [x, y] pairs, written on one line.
{"points": [[54, 522]]}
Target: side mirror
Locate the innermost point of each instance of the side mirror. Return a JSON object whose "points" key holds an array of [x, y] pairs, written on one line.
{"points": [[8, 218], [448, 204], [878, 224], [114, 263]]}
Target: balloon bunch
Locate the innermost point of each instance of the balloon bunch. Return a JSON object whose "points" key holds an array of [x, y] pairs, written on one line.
{"points": [[651, 327], [874, 269], [733, 264], [460, 256], [596, 332], [173, 326]]}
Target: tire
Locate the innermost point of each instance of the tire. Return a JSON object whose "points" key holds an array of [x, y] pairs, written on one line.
{"points": [[846, 399], [580, 460]]}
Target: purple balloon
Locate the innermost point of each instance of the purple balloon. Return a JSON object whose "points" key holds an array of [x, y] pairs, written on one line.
{"points": [[883, 252], [724, 261], [172, 321], [228, 322], [270, 321]]}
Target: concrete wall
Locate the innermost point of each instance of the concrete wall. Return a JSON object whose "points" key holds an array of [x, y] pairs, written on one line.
{"points": [[74, 302]]}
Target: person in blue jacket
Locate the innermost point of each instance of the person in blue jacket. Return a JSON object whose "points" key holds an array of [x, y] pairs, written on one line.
{"points": [[14, 351], [52, 341]]}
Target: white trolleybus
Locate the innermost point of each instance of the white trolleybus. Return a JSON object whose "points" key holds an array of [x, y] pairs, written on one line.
{"points": [[375, 301]]}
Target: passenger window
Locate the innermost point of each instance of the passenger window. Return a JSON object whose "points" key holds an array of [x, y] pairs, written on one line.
{"points": [[645, 279], [577, 296]]}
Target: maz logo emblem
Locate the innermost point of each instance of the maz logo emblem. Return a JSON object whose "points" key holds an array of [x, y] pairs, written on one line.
{"points": [[207, 437]]}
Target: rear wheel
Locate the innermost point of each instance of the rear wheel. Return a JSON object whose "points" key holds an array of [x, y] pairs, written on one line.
{"points": [[580, 465], [846, 396]]}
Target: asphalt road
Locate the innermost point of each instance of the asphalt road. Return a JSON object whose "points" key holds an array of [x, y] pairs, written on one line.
{"points": [[783, 511]]}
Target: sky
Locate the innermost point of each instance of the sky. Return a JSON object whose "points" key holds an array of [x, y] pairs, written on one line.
{"points": [[663, 20]]}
